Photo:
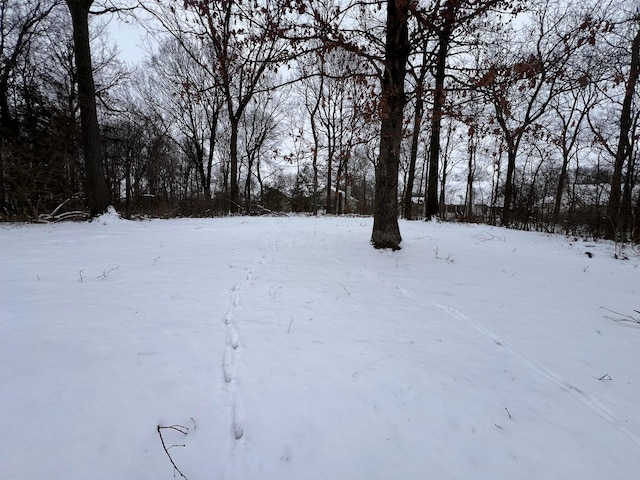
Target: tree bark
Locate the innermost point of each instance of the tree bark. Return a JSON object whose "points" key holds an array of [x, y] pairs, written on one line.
{"points": [[415, 137], [234, 197], [386, 232], [316, 141], [96, 187], [636, 223], [444, 40], [508, 187], [471, 169], [562, 180]]}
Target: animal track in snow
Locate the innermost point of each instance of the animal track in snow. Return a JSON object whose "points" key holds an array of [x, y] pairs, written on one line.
{"points": [[238, 428], [227, 365], [233, 349], [229, 361], [590, 400], [234, 338]]}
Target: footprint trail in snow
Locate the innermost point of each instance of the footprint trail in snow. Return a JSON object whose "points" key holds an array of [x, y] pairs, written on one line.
{"points": [[232, 352], [230, 363]]}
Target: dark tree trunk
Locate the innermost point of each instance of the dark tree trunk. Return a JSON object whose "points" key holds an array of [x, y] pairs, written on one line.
{"points": [[329, 197], [508, 187], [442, 207], [415, 137], [434, 143], [96, 188], [471, 168], [623, 151], [626, 205], [386, 232], [212, 142], [234, 197], [316, 144], [636, 223], [444, 40], [562, 180]]}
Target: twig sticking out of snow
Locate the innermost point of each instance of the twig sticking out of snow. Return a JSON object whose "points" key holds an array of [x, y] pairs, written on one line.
{"points": [[623, 317], [485, 236], [178, 428], [345, 288], [106, 272]]}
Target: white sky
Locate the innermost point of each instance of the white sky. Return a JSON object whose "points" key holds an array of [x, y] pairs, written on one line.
{"points": [[130, 39]]}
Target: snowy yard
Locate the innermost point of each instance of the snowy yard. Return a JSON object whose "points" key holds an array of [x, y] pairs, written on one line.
{"points": [[291, 349]]}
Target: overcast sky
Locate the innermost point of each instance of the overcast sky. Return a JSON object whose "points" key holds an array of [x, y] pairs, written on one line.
{"points": [[130, 39]]}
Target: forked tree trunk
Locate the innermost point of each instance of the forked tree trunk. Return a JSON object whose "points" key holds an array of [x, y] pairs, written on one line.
{"points": [[386, 232], [96, 187]]}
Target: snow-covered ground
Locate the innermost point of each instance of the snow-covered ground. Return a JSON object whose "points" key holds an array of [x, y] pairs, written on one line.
{"points": [[288, 348]]}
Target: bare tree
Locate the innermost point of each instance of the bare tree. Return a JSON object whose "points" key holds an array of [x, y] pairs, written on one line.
{"points": [[183, 93], [446, 19], [96, 188], [520, 84], [569, 112], [419, 75], [386, 232], [262, 125], [619, 212]]}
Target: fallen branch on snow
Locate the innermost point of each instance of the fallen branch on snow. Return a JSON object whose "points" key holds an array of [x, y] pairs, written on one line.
{"points": [[178, 428]]}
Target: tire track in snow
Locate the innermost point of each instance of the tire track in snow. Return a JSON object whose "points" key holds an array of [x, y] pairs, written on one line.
{"points": [[590, 400]]}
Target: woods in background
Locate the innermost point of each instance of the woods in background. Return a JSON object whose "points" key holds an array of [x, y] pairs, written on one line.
{"points": [[523, 114]]}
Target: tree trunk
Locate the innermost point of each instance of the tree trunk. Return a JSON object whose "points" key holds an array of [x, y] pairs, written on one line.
{"points": [[212, 144], [413, 158], [471, 168], [96, 188], [626, 205], [234, 197], [508, 187], [386, 232], [636, 223], [329, 197], [562, 179], [247, 184], [442, 207], [3, 190], [623, 150], [316, 144], [444, 39]]}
